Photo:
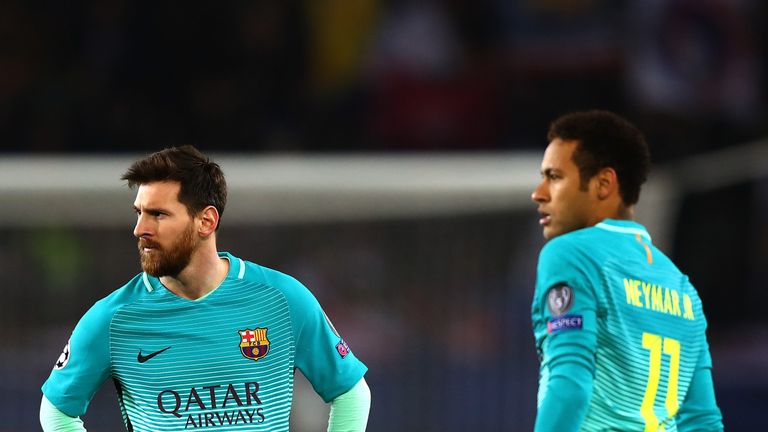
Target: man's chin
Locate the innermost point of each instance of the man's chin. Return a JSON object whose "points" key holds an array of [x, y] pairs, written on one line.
{"points": [[550, 232], [161, 269], [159, 273], [151, 268], [152, 271]]}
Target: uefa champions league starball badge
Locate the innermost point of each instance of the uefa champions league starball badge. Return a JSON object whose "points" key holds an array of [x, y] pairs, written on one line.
{"points": [[63, 358], [560, 299]]}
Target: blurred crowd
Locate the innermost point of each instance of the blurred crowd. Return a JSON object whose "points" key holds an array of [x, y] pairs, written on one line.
{"points": [[329, 75]]}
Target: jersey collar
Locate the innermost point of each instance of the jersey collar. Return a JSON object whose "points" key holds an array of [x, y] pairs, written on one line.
{"points": [[236, 271], [236, 266], [624, 227], [147, 282]]}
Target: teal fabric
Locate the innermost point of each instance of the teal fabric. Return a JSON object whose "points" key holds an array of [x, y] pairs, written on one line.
{"points": [[632, 315], [222, 362]]}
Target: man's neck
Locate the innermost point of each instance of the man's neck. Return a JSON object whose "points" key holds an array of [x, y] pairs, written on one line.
{"points": [[615, 210], [625, 212], [205, 272]]}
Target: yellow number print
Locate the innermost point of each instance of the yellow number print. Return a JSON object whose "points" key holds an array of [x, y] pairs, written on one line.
{"points": [[671, 347]]}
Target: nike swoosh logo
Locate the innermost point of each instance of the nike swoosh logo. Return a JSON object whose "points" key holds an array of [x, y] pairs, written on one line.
{"points": [[143, 358]]}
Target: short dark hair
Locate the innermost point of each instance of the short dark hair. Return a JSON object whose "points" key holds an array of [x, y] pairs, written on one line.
{"points": [[202, 181], [606, 140]]}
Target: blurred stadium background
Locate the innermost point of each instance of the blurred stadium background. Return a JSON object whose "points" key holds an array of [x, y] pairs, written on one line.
{"points": [[383, 153]]}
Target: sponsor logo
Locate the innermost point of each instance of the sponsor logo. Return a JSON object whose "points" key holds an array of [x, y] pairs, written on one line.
{"points": [[63, 358], [254, 344], [567, 322], [143, 358], [560, 299], [214, 405]]}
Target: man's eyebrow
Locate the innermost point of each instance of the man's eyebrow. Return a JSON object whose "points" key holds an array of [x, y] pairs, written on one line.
{"points": [[150, 210]]}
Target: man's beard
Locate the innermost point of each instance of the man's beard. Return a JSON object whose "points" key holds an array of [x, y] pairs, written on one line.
{"points": [[168, 261]]}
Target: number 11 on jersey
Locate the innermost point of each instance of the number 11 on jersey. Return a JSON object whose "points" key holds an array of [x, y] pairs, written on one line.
{"points": [[671, 347]]}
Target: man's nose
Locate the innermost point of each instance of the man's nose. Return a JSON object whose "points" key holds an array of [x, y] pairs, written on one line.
{"points": [[141, 228], [539, 194]]}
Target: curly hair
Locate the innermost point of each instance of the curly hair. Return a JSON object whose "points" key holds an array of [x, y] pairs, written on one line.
{"points": [[606, 140]]}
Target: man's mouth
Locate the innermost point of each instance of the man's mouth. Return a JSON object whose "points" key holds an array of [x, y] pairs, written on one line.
{"points": [[146, 247], [545, 218]]}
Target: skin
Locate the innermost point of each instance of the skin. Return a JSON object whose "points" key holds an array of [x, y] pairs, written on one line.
{"points": [[187, 244], [564, 205]]}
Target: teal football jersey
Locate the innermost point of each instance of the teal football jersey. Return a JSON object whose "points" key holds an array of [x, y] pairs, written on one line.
{"points": [[606, 295], [223, 362]]}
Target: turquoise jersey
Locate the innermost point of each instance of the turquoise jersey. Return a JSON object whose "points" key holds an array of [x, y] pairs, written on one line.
{"points": [[222, 362], [620, 333]]}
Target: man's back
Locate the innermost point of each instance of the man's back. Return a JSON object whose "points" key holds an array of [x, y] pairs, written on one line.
{"points": [[607, 294]]}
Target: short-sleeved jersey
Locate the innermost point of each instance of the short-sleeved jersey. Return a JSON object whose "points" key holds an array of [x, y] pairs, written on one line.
{"points": [[222, 362], [608, 288]]}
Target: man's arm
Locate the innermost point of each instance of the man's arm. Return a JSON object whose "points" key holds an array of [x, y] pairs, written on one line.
{"points": [[699, 411], [53, 420], [322, 356], [568, 389], [564, 314], [84, 364], [349, 411]]}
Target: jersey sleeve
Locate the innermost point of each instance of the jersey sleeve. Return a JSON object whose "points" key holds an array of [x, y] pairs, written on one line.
{"points": [[699, 410], [321, 354], [564, 313], [83, 366]]}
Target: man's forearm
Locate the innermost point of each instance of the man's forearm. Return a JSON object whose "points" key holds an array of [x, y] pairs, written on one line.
{"points": [[53, 420], [567, 397], [349, 411]]}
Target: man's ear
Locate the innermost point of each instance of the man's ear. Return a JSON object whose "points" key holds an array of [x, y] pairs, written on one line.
{"points": [[607, 183], [209, 220]]}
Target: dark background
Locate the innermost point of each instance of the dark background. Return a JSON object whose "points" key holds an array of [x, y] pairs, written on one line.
{"points": [[447, 297], [118, 76]]}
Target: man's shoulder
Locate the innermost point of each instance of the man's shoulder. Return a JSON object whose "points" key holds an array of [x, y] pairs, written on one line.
{"points": [[294, 291], [276, 279], [133, 290], [572, 242], [139, 286], [100, 314], [569, 257], [260, 274], [252, 272]]}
